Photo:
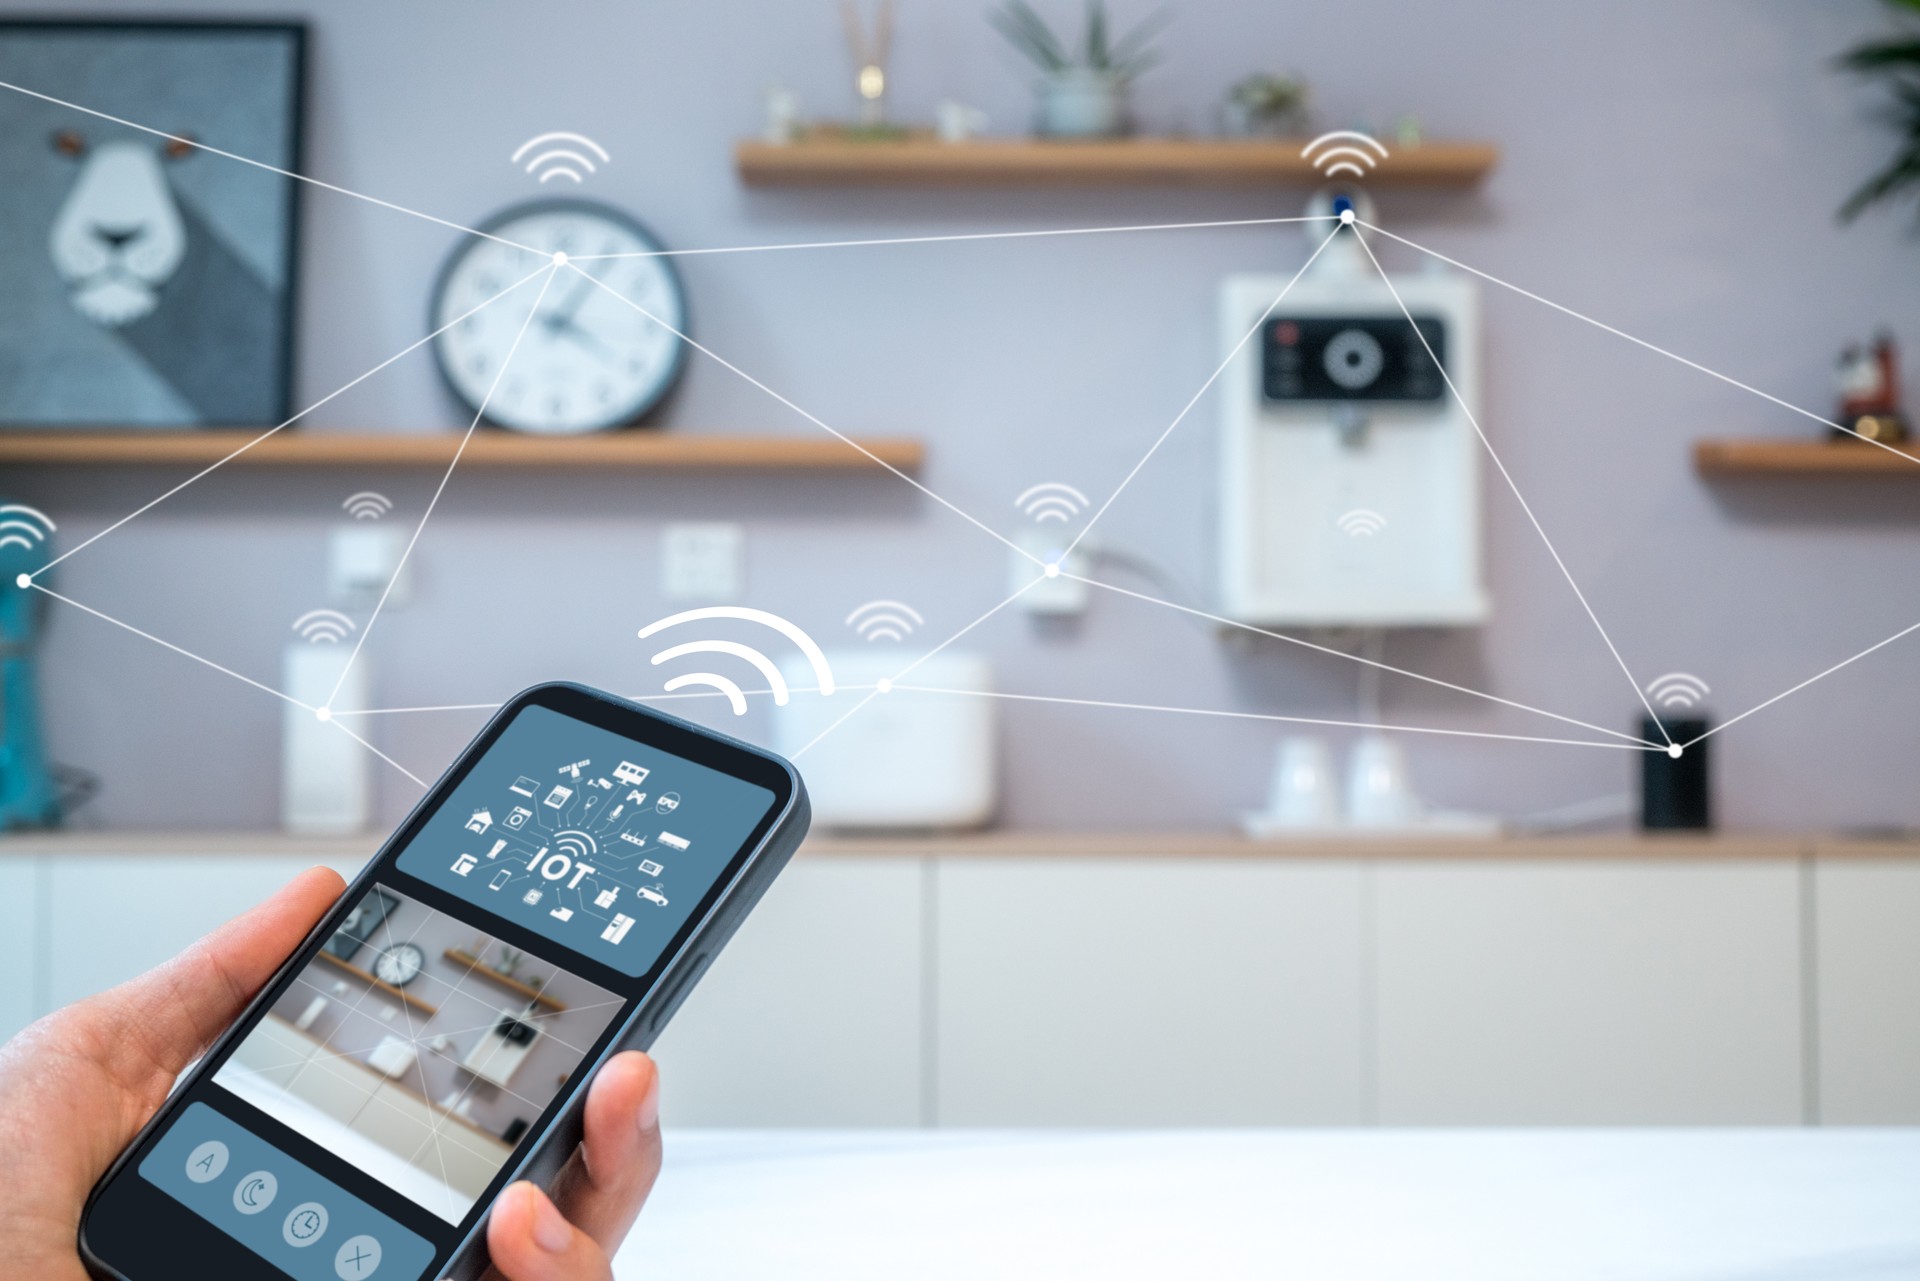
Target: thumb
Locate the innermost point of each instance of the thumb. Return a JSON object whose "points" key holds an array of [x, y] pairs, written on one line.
{"points": [[168, 1016]]}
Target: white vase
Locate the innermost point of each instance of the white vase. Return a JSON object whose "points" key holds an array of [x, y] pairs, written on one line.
{"points": [[1079, 102]]}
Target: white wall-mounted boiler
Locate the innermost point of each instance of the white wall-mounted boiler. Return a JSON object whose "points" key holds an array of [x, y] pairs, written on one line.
{"points": [[1350, 474]]}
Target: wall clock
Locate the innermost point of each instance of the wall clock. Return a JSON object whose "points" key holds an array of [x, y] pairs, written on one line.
{"points": [[587, 361], [400, 964]]}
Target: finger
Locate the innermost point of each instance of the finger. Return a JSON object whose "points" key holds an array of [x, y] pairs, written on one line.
{"points": [[603, 1187], [168, 1016], [530, 1240]]}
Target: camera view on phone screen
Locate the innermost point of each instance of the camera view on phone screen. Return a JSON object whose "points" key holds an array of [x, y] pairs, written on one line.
{"points": [[372, 1106]]}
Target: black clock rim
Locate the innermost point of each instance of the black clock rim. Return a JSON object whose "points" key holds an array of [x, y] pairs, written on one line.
{"points": [[564, 204], [399, 949]]}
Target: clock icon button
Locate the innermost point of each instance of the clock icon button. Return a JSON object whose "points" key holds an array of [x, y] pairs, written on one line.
{"points": [[305, 1224]]}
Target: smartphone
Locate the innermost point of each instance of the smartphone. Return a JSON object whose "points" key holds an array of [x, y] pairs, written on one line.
{"points": [[550, 903]]}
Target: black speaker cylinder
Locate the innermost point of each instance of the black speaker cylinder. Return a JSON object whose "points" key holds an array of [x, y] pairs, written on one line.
{"points": [[1676, 793]]}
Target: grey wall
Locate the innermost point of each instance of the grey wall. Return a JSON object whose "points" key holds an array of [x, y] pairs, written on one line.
{"points": [[1671, 168]]}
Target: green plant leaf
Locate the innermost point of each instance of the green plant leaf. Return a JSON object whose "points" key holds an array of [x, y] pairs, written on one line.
{"points": [[1130, 53], [1028, 32], [1903, 173], [1097, 35], [1880, 55]]}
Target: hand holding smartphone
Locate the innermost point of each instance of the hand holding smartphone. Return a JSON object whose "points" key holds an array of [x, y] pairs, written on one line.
{"points": [[548, 904]]}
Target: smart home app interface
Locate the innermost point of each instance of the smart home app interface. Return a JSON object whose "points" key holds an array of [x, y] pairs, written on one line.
{"points": [[417, 1048], [590, 839]]}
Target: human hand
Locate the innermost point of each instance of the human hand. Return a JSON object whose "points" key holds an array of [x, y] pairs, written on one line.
{"points": [[78, 1085]]}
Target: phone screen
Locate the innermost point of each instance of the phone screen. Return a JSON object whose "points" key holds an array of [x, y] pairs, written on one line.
{"points": [[360, 1121]]}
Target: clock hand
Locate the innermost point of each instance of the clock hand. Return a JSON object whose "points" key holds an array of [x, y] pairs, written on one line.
{"points": [[562, 316], [585, 337]]}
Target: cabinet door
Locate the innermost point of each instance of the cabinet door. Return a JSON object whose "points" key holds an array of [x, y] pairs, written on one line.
{"points": [[1867, 965], [109, 917], [814, 1014], [21, 933], [1589, 992], [1132, 992]]}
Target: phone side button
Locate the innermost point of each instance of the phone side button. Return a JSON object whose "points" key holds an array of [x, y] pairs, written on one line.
{"points": [[678, 992]]}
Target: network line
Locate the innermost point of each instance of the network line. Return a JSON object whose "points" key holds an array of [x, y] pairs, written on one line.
{"points": [[832, 431], [1205, 387], [1640, 342], [259, 164], [952, 239], [1270, 716], [186, 653], [631, 698], [1364, 661], [272, 431], [1803, 684], [1507, 476], [892, 682], [400, 565]]}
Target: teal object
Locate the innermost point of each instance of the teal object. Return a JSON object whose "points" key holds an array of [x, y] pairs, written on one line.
{"points": [[28, 797]]}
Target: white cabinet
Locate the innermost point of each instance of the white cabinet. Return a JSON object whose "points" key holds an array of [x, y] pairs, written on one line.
{"points": [[1589, 992], [1867, 967], [21, 938], [112, 916], [1149, 991], [815, 1013]]}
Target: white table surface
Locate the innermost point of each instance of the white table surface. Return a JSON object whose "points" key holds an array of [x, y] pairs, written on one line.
{"points": [[1436, 1205]]}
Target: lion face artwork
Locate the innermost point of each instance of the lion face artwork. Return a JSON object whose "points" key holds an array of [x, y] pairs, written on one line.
{"points": [[149, 282], [119, 237]]}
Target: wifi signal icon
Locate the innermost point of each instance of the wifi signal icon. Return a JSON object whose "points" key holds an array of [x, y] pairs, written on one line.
{"points": [[1051, 500], [561, 155], [1361, 522], [736, 697], [1344, 151], [879, 620], [323, 626], [24, 526], [367, 505], [1677, 689], [576, 845]]}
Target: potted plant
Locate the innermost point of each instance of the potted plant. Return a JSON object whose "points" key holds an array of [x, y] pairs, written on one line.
{"points": [[1266, 106], [1083, 94], [1896, 60]]}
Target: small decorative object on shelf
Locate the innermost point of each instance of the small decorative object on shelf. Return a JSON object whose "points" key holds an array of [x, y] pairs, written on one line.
{"points": [[870, 55], [1265, 106], [1083, 95], [783, 116], [957, 122], [1869, 383]]}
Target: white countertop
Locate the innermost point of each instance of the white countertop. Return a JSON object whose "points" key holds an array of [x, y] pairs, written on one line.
{"points": [[1338, 1205]]}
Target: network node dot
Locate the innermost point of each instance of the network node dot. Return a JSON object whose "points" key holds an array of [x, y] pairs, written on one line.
{"points": [[1346, 216], [1673, 750], [23, 580], [559, 257], [885, 686], [1053, 571], [323, 713]]}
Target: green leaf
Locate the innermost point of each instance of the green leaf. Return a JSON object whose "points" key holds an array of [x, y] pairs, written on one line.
{"points": [[1029, 33], [1903, 173], [1130, 54], [1097, 35], [1882, 55]]}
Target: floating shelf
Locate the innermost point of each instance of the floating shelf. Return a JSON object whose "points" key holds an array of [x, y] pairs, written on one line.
{"points": [[460, 956], [386, 987], [488, 448], [1767, 457], [1004, 162]]}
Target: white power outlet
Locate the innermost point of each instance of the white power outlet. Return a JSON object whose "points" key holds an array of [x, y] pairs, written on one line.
{"points": [[361, 560], [702, 561], [1060, 596]]}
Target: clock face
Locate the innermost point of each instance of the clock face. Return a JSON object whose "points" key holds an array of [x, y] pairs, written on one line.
{"points": [[586, 361], [400, 964]]}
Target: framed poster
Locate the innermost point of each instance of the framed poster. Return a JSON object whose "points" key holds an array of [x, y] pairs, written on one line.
{"points": [[148, 282]]}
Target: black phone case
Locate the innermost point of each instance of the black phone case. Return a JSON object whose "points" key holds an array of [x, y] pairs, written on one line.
{"points": [[547, 1155]]}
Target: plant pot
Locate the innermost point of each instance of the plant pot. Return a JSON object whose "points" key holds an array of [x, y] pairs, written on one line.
{"points": [[1082, 103]]}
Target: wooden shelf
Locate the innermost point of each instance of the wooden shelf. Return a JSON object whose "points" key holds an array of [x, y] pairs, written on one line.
{"points": [[388, 988], [460, 956], [1766, 457], [488, 448], [1006, 162]]}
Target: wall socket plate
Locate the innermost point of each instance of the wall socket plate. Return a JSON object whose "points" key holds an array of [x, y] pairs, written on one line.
{"points": [[1053, 597], [702, 561], [361, 560]]}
